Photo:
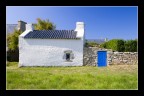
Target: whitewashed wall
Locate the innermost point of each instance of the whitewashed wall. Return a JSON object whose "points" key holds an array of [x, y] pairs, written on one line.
{"points": [[49, 52]]}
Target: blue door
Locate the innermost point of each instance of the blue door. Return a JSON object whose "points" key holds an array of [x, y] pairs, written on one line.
{"points": [[102, 58]]}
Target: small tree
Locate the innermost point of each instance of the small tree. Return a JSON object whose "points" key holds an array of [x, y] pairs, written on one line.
{"points": [[12, 43], [12, 40], [131, 46], [44, 25]]}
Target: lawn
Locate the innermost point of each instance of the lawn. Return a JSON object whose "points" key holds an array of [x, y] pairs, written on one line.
{"points": [[85, 77]]}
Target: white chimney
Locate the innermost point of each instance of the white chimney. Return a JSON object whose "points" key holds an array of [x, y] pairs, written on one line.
{"points": [[80, 29], [29, 27]]}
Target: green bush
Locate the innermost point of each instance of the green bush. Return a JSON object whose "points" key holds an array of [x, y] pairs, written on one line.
{"points": [[103, 45], [116, 45], [13, 55], [12, 43], [112, 44], [91, 44], [131, 46], [121, 45]]}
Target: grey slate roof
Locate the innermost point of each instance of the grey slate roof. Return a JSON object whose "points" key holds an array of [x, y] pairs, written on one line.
{"points": [[10, 28], [52, 34]]}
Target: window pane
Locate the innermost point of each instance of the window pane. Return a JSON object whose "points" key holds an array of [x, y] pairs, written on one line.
{"points": [[67, 56]]}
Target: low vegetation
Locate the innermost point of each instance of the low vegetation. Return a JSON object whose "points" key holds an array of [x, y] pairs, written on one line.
{"points": [[91, 44], [121, 45], [85, 77]]}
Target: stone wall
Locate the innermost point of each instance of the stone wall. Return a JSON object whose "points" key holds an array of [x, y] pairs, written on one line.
{"points": [[122, 58], [90, 57]]}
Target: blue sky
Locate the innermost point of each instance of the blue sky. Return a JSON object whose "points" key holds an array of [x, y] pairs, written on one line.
{"points": [[100, 21]]}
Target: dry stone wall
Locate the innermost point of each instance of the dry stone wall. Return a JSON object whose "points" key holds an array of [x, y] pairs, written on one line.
{"points": [[90, 57], [122, 58]]}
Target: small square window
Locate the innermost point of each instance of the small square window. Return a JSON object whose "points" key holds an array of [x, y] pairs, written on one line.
{"points": [[67, 56]]}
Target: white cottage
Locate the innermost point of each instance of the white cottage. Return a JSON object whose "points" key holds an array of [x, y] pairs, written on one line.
{"points": [[51, 47]]}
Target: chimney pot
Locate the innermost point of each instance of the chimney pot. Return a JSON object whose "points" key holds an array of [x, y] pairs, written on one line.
{"points": [[29, 27], [21, 25]]}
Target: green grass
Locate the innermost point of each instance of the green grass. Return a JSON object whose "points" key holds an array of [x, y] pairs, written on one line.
{"points": [[85, 77]]}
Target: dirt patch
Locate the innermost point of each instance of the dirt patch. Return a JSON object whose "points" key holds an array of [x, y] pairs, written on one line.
{"points": [[130, 68]]}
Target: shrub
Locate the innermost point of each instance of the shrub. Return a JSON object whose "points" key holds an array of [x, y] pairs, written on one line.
{"points": [[91, 44], [13, 55], [131, 46], [114, 44], [12, 43], [103, 45], [121, 45]]}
